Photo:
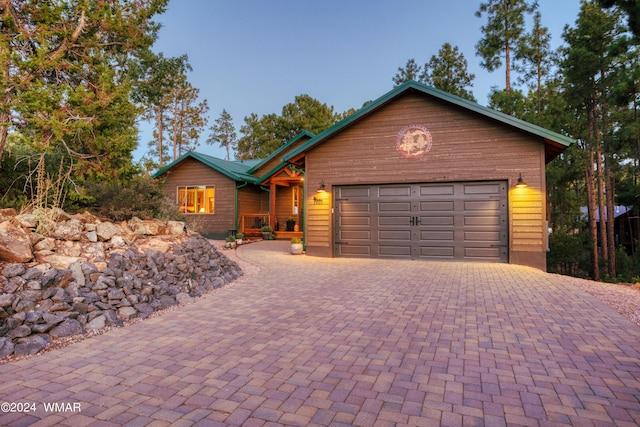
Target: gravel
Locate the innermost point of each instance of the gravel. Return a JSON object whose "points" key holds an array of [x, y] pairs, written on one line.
{"points": [[623, 298]]}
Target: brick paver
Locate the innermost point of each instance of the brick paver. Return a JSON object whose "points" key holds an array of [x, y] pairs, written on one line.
{"points": [[312, 341]]}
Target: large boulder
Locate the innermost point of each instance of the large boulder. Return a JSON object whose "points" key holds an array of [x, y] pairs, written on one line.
{"points": [[106, 230], [69, 230], [147, 227], [67, 328], [14, 243]]}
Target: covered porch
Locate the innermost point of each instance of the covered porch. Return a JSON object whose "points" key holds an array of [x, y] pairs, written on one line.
{"points": [[285, 195]]}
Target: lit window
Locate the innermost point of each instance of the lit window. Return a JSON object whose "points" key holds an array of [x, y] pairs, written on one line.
{"points": [[198, 199]]}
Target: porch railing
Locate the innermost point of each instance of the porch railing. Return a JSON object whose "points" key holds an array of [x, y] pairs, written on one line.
{"points": [[251, 224]]}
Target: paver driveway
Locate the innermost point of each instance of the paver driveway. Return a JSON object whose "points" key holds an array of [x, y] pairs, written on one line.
{"points": [[313, 341]]}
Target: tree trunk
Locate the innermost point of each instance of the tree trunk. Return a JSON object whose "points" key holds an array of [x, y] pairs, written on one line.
{"points": [[591, 209], [604, 215], [4, 133], [507, 49], [160, 124], [611, 222]]}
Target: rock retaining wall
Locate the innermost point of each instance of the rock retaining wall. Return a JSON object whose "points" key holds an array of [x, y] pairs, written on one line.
{"points": [[90, 274]]}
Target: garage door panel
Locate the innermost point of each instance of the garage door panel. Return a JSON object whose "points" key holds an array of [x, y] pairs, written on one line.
{"points": [[436, 206], [355, 235], [354, 192], [358, 207], [398, 235], [437, 190], [398, 221], [484, 188], [355, 221], [437, 252], [482, 236], [434, 221], [401, 251], [403, 191], [355, 250], [482, 206], [482, 221], [394, 207], [426, 236]]}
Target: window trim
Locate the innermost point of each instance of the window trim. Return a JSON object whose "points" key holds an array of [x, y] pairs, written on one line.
{"points": [[199, 206]]}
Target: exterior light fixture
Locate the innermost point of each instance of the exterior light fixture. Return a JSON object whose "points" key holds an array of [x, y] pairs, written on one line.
{"points": [[521, 183], [322, 188]]}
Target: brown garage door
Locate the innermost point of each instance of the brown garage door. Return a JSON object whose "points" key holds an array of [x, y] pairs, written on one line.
{"points": [[455, 221]]}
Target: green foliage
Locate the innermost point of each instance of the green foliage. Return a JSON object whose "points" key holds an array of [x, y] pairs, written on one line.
{"points": [[503, 33], [66, 86], [626, 266], [224, 133], [142, 198], [447, 71], [632, 8], [568, 252], [262, 136], [411, 71], [14, 167]]}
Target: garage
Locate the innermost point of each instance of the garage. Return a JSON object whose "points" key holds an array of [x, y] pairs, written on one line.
{"points": [[464, 221], [424, 175]]}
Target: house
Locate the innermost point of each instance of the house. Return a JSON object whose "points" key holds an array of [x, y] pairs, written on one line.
{"points": [[416, 174], [626, 226]]}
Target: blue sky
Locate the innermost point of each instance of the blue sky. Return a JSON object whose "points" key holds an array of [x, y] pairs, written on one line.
{"points": [[255, 56]]}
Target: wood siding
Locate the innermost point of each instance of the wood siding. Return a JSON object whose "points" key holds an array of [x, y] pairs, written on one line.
{"points": [[466, 147], [190, 173], [252, 200]]}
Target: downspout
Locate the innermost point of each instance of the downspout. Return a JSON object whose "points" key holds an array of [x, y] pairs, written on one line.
{"points": [[303, 201]]}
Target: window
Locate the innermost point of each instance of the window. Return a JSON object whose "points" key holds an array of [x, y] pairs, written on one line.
{"points": [[295, 199], [197, 199]]}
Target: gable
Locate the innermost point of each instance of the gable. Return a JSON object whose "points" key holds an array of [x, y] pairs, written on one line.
{"points": [[236, 170], [554, 142], [464, 146], [274, 162]]}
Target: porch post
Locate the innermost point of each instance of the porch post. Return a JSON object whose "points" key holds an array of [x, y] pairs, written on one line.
{"points": [[272, 205]]}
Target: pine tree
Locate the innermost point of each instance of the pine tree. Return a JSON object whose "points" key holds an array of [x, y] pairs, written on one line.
{"points": [[590, 67], [448, 72], [411, 71], [224, 133], [502, 34]]}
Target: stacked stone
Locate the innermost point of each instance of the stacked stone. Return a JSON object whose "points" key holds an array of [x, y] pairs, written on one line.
{"points": [[41, 301]]}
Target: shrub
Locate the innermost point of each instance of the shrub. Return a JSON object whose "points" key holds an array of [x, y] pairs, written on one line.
{"points": [[569, 253], [142, 198]]}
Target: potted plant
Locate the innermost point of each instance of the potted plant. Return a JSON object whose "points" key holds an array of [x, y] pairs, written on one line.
{"points": [[239, 238], [296, 246], [266, 232], [230, 242]]}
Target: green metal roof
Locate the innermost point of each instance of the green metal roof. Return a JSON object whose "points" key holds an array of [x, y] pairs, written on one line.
{"points": [[236, 170], [558, 139], [282, 148]]}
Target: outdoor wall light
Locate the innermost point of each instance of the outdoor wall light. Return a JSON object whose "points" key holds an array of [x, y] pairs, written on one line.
{"points": [[521, 183], [322, 188]]}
